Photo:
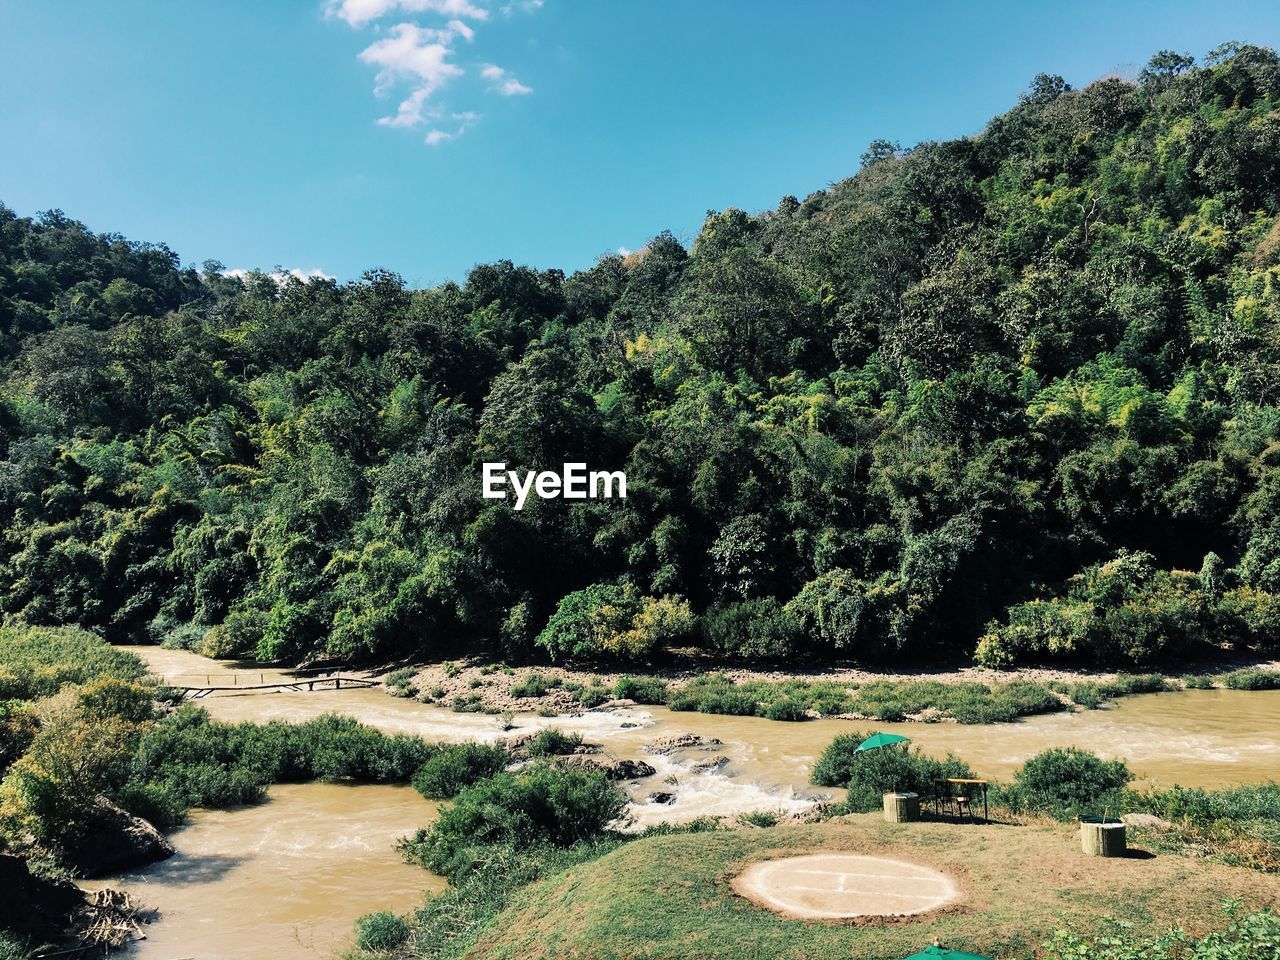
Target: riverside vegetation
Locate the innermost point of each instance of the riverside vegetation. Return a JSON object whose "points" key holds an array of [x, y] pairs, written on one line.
{"points": [[84, 727], [1009, 397], [517, 847], [88, 742]]}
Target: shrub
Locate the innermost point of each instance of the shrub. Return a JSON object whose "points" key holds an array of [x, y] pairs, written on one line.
{"points": [[841, 611], [716, 694], [614, 620], [648, 690], [1125, 610], [872, 773], [38, 661], [756, 629], [546, 805], [1251, 937], [381, 931], [534, 685], [1068, 780], [456, 766], [1198, 682], [1252, 679], [186, 760], [593, 695], [584, 619], [1128, 684], [1253, 802], [786, 709], [758, 818], [553, 743], [18, 726], [1086, 695]]}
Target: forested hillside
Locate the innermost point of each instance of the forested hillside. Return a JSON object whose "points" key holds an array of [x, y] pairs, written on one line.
{"points": [[1013, 396]]}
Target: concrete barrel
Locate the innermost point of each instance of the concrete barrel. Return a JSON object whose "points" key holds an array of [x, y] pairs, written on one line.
{"points": [[901, 807], [1102, 838]]}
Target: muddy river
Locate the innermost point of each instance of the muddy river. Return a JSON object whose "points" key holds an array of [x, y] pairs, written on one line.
{"points": [[284, 880]]}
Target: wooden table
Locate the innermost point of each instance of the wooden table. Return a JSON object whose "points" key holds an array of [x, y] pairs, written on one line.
{"points": [[965, 782]]}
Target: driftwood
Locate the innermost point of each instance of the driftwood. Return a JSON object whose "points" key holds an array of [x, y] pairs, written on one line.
{"points": [[110, 919]]}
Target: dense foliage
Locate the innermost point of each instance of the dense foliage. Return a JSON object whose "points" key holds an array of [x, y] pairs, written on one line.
{"points": [[541, 806], [188, 760], [1253, 936], [1070, 780], [1012, 394], [872, 773]]}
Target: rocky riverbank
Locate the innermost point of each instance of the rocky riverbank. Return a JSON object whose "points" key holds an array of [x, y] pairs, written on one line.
{"points": [[480, 686]]}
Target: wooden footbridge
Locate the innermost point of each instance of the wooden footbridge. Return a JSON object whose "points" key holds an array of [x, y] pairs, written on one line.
{"points": [[286, 685]]}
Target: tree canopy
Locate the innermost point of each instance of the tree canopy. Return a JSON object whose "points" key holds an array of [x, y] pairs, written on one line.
{"points": [[1013, 395]]}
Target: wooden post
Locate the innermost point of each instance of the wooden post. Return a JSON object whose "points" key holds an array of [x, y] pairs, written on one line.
{"points": [[1102, 839], [901, 807]]}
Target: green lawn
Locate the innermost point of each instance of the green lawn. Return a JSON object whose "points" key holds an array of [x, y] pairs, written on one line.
{"points": [[670, 896]]}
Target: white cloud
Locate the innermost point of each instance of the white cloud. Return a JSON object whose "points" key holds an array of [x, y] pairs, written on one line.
{"points": [[414, 55], [357, 13], [417, 61], [465, 120], [502, 82], [280, 275]]}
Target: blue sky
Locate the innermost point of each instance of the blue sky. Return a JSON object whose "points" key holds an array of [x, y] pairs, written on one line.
{"points": [[248, 130]]}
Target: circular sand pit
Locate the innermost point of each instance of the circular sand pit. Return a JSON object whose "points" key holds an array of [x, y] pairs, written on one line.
{"points": [[838, 886]]}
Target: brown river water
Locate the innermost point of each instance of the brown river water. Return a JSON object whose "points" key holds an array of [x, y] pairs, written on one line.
{"points": [[285, 880]]}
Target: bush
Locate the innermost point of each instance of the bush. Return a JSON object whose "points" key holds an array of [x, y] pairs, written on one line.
{"points": [[381, 931], [534, 685], [1086, 695], [553, 743], [1128, 684], [456, 766], [1125, 610], [1198, 682], [614, 620], [1253, 802], [1069, 781], [648, 690], [187, 760], [1251, 937], [1252, 679], [872, 773], [786, 709], [546, 805], [757, 629], [38, 661], [593, 696]]}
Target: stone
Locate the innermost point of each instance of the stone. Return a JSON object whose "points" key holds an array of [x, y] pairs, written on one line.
{"points": [[630, 770], [710, 765], [679, 741]]}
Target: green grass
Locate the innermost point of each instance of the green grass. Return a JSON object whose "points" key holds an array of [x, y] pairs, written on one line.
{"points": [[38, 661], [1252, 680], [669, 897]]}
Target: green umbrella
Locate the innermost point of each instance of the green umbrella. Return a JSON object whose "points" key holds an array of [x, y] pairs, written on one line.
{"points": [[928, 953], [878, 740]]}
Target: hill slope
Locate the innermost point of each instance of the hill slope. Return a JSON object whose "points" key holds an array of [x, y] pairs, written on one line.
{"points": [[994, 394]]}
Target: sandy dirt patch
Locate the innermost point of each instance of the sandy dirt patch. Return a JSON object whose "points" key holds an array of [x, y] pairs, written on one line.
{"points": [[845, 886]]}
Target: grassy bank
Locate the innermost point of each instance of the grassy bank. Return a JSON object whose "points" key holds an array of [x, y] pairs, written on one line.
{"points": [[670, 896]]}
